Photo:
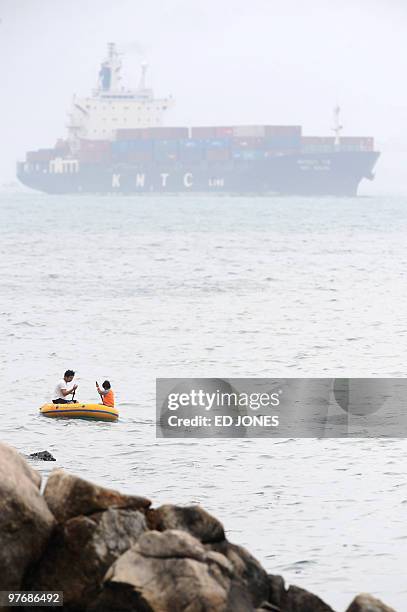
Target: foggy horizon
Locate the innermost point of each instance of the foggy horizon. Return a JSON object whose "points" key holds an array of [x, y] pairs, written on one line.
{"points": [[259, 63]]}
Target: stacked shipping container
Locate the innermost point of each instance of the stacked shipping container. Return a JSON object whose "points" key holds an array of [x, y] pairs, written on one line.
{"points": [[200, 144]]}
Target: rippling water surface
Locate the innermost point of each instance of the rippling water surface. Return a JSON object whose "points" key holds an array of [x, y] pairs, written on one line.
{"points": [[134, 288]]}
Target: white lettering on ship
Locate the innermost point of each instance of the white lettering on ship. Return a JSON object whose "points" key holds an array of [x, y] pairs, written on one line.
{"points": [[140, 180], [216, 182], [164, 177], [188, 179], [314, 164], [116, 180]]}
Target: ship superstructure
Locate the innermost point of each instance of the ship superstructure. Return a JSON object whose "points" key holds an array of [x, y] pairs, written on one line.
{"points": [[117, 143], [112, 106]]}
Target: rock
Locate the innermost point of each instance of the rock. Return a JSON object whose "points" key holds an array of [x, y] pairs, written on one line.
{"points": [[25, 520], [171, 571], [80, 553], [193, 519], [246, 569], [367, 603], [42, 456], [276, 590], [300, 600], [268, 607], [294, 599], [173, 544], [69, 496]]}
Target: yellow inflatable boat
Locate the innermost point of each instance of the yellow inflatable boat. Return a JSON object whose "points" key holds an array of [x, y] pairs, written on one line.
{"points": [[81, 411]]}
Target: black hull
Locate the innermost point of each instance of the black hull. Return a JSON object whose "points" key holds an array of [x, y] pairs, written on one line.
{"points": [[338, 173]]}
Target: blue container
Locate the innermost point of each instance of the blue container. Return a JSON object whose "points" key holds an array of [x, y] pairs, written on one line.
{"points": [[191, 144], [219, 143], [246, 154], [280, 141], [191, 155], [166, 145], [165, 156]]}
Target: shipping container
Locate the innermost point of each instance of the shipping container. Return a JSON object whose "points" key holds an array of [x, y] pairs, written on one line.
{"points": [[282, 142], [62, 146], [190, 155], [192, 144], [249, 131], [223, 131], [248, 143], [153, 133], [315, 148], [94, 157], [217, 154], [41, 155], [167, 133], [165, 156], [218, 143], [94, 145], [122, 146], [248, 155], [318, 140], [139, 156], [204, 133], [165, 145], [274, 130], [130, 134], [364, 143]]}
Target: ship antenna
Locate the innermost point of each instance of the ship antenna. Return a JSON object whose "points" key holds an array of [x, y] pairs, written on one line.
{"points": [[142, 83], [337, 127]]}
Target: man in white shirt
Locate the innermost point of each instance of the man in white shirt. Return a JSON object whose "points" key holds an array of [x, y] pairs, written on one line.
{"points": [[62, 391]]}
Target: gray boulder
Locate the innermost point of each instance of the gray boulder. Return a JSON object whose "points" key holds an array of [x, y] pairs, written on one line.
{"points": [[81, 551], [368, 603], [25, 520], [246, 569], [193, 519], [68, 496], [171, 571], [294, 599]]}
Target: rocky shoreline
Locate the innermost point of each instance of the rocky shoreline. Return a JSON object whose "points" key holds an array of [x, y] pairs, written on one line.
{"points": [[110, 552]]}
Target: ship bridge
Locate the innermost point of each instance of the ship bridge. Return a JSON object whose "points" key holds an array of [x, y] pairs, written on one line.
{"points": [[112, 107]]}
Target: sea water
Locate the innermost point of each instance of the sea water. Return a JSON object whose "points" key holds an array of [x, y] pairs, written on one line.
{"points": [[135, 288]]}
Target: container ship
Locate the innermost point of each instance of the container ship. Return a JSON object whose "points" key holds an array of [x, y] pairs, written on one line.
{"points": [[117, 143]]}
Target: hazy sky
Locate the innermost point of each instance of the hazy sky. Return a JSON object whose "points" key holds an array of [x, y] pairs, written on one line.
{"points": [[230, 62]]}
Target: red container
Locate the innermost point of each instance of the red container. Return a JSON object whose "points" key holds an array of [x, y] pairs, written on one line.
{"points": [[42, 155], [93, 157], [249, 131], [279, 130], [61, 146], [224, 132], [204, 133], [95, 145], [318, 140], [153, 133], [166, 133], [130, 133]]}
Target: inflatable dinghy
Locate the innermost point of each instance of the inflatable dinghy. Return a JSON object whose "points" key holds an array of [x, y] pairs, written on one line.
{"points": [[81, 411]]}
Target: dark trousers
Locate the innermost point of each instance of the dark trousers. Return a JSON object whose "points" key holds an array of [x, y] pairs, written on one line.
{"points": [[63, 401]]}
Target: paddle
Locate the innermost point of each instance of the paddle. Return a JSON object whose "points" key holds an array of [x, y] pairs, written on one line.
{"points": [[73, 395]]}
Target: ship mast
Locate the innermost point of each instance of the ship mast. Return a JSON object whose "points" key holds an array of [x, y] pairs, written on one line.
{"points": [[109, 73], [142, 82], [337, 127]]}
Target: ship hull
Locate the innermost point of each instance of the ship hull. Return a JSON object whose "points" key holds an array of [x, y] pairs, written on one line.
{"points": [[338, 173]]}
